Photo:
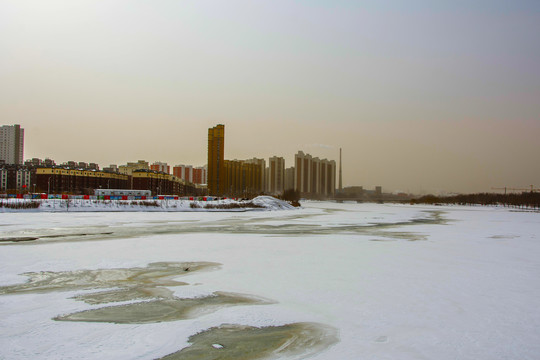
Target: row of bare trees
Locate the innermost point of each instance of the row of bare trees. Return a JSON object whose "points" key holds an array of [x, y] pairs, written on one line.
{"points": [[530, 200]]}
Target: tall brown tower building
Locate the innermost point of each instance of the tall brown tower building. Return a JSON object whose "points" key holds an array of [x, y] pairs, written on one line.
{"points": [[216, 168]]}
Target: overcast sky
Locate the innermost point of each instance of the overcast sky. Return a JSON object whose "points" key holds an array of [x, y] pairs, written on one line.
{"points": [[423, 96]]}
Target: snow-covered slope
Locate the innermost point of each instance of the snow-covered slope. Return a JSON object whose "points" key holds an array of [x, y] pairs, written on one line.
{"points": [[271, 203]]}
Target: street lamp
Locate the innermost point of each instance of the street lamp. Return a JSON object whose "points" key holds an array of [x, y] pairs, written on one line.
{"points": [[48, 186]]}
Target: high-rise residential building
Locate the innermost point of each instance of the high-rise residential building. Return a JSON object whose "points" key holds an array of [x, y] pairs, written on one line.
{"points": [[261, 164], [130, 167], [327, 178], [216, 170], [190, 174], [313, 176], [178, 171], [276, 175], [160, 167], [289, 178], [302, 175], [243, 177], [184, 172], [11, 144], [340, 173], [199, 175]]}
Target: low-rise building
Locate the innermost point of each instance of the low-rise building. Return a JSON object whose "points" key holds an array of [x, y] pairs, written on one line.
{"points": [[78, 181], [17, 178]]}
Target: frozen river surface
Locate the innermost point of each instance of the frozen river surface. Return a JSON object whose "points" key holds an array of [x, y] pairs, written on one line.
{"points": [[328, 281]]}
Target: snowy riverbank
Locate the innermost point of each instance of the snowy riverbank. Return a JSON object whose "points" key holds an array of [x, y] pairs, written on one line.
{"points": [[261, 203]]}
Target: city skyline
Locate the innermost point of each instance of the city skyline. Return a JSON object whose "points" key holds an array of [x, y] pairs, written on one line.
{"points": [[421, 96], [310, 176]]}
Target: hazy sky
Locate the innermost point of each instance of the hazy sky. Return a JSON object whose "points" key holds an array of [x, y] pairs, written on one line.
{"points": [[421, 95]]}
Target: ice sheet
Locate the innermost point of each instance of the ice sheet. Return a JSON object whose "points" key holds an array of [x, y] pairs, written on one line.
{"points": [[466, 287]]}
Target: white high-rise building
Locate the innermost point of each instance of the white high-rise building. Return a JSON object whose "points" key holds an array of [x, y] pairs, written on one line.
{"points": [[11, 144]]}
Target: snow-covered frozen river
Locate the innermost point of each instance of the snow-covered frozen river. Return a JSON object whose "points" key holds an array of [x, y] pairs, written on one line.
{"points": [[328, 281]]}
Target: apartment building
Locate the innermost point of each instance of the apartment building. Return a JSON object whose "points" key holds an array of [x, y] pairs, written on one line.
{"points": [[130, 167], [161, 167], [11, 144], [200, 175], [261, 163], [216, 171], [184, 172], [276, 175], [313, 176], [243, 178]]}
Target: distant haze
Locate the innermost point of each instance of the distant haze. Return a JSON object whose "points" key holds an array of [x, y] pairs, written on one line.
{"points": [[423, 96]]}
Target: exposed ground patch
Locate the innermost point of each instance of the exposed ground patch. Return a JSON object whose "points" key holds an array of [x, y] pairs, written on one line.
{"points": [[171, 309], [237, 342], [128, 284]]}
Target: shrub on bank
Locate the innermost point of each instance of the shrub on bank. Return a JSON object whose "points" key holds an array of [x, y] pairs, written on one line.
{"points": [[19, 205], [228, 206]]}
